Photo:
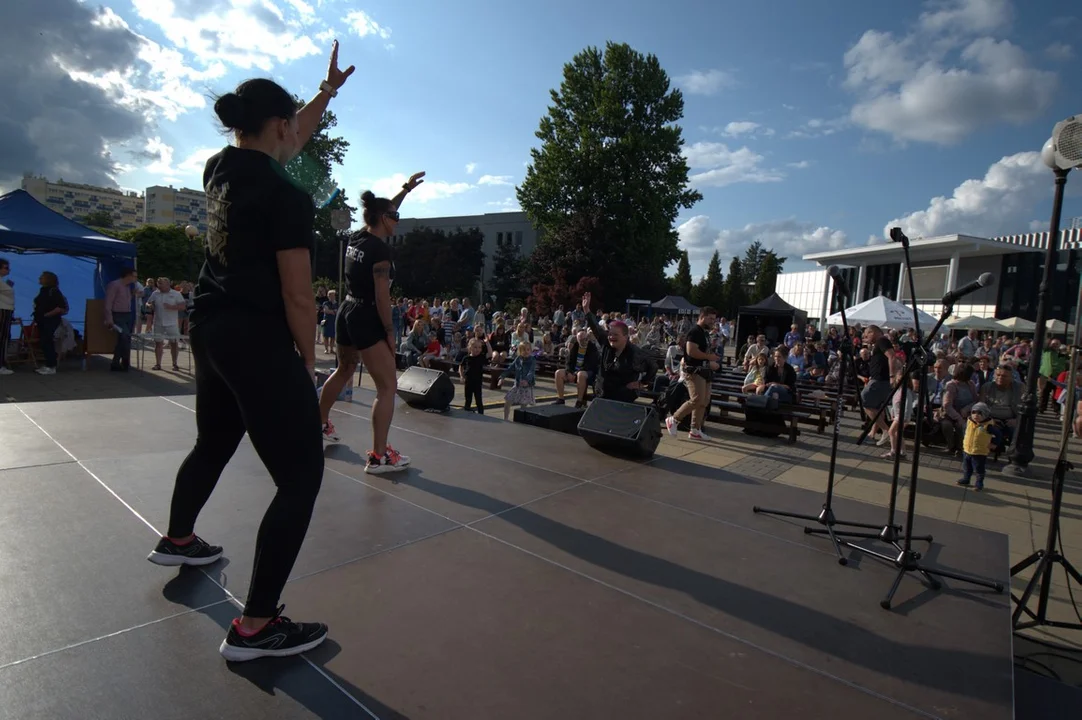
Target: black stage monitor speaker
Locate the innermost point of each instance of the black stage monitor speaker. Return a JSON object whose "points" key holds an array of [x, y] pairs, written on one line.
{"points": [[426, 389], [621, 428], [561, 418]]}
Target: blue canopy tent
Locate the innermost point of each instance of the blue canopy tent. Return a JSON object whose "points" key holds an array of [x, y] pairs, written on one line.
{"points": [[84, 261]]}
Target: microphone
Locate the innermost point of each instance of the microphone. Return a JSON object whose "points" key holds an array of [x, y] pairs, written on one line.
{"points": [[839, 282], [955, 295]]}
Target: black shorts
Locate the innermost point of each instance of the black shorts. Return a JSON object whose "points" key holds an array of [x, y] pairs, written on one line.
{"points": [[358, 325]]}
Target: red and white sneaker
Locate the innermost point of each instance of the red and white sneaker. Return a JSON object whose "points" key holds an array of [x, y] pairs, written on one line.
{"points": [[671, 425], [329, 433], [696, 434], [392, 461]]}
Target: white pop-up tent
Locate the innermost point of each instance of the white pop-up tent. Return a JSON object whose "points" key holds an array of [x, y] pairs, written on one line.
{"points": [[885, 313], [975, 323]]}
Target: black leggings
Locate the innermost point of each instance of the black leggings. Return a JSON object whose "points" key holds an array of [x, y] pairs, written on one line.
{"points": [[473, 393], [273, 398]]}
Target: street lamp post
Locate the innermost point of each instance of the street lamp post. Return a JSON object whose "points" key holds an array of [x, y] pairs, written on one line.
{"points": [[1060, 160]]}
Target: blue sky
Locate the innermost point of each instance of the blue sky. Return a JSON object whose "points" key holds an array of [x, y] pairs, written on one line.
{"points": [[810, 124]]}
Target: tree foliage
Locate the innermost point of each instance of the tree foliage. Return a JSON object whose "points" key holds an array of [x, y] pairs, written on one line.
{"points": [[433, 263], [735, 293], [545, 298], [98, 219], [711, 289], [768, 276], [508, 274], [165, 251], [313, 168], [682, 284], [610, 165], [753, 266]]}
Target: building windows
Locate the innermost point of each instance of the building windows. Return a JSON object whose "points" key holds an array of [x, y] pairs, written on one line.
{"points": [[1018, 291], [518, 238], [881, 280]]}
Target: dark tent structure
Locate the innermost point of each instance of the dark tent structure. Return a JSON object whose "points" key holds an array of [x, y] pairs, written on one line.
{"points": [[83, 260], [674, 305], [771, 317]]}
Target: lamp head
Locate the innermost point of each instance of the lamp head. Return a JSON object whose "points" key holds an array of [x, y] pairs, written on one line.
{"points": [[1066, 143], [1048, 154], [191, 231]]}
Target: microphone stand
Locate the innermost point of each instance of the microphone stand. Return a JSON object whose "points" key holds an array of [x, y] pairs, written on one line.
{"points": [[1051, 555], [908, 560], [826, 516]]}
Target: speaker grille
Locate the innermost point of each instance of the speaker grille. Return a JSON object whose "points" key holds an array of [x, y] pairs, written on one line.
{"points": [[617, 419], [1070, 142]]}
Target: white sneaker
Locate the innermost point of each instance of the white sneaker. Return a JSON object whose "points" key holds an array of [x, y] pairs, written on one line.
{"points": [[46, 371], [6, 371], [883, 439], [696, 434], [329, 433], [671, 424]]}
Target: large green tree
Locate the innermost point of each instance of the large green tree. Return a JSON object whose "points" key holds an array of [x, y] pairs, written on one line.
{"points": [[165, 251], [312, 169], [610, 160], [682, 284], [710, 290], [735, 292], [433, 263], [508, 274], [768, 276]]}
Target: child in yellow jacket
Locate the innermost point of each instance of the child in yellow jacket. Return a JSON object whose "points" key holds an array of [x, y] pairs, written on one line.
{"points": [[980, 439]]}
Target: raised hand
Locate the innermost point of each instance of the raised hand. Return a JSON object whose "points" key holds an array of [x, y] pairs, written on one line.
{"points": [[586, 302], [414, 181], [337, 78]]}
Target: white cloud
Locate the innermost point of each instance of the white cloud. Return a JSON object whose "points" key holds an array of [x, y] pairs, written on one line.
{"points": [[244, 33], [361, 25], [787, 237], [1000, 203], [819, 127], [161, 165], [470, 167], [1059, 51], [948, 77], [707, 82], [721, 166], [509, 204], [801, 165], [426, 192], [494, 180], [740, 128]]}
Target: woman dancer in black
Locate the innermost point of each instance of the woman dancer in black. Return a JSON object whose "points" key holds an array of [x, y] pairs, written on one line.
{"points": [[257, 276], [364, 325]]}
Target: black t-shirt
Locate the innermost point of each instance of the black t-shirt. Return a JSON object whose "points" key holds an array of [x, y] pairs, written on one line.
{"points": [[363, 251], [253, 211], [696, 335], [879, 363]]}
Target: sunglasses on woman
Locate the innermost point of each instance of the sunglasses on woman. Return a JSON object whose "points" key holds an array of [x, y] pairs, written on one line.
{"points": [[392, 214]]}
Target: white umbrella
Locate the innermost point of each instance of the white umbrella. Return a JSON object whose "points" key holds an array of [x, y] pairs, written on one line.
{"points": [[1017, 324], [975, 323], [885, 313], [1058, 327]]}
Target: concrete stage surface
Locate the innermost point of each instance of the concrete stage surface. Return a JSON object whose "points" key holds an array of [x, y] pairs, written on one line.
{"points": [[513, 573]]}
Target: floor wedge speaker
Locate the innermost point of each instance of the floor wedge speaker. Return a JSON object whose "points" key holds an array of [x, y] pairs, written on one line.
{"points": [[621, 428], [561, 418], [426, 389]]}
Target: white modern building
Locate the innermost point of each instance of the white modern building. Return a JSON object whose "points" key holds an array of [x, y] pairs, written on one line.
{"points": [[75, 201], [940, 264], [499, 229], [166, 205]]}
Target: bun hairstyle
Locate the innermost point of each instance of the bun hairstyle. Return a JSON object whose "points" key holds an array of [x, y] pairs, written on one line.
{"points": [[374, 207], [248, 108]]}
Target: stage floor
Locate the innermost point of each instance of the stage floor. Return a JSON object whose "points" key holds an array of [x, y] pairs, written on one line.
{"points": [[512, 573]]}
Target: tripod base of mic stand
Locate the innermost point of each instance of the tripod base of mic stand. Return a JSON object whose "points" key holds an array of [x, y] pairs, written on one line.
{"points": [[1045, 562], [909, 561], [889, 534], [828, 521]]}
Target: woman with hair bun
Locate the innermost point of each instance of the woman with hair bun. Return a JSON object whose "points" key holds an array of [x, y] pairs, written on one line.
{"points": [[256, 276], [364, 325]]}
